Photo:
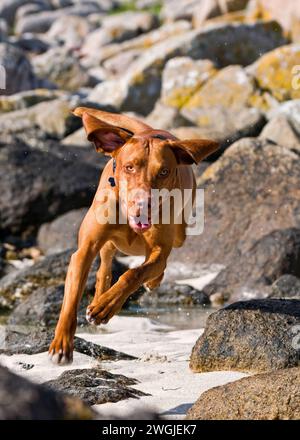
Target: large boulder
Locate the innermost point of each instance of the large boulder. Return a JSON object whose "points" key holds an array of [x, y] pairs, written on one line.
{"points": [[140, 87], [182, 77], [251, 191], [275, 72], [250, 336], [39, 185], [251, 274], [222, 105], [269, 396], [16, 72], [23, 400]]}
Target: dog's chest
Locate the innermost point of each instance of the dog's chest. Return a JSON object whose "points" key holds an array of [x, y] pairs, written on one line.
{"points": [[130, 243]]}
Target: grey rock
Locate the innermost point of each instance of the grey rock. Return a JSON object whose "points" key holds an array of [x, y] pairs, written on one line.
{"points": [[269, 396], [222, 105], [258, 176], [39, 185], [171, 294], [118, 64], [77, 138], [286, 286], [55, 118], [3, 30], [45, 279], [2, 256], [42, 21], [62, 233], [22, 100], [95, 386], [280, 131], [68, 31], [182, 78], [199, 12], [118, 28], [32, 44], [23, 400], [138, 43], [60, 66], [31, 8], [16, 71], [8, 8], [140, 87], [250, 336], [291, 111], [43, 304], [166, 117], [27, 340], [252, 272]]}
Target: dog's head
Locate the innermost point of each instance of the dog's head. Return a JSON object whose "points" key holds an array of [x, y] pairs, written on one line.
{"points": [[145, 158]]}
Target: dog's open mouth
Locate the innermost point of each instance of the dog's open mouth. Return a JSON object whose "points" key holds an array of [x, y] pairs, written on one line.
{"points": [[139, 224]]}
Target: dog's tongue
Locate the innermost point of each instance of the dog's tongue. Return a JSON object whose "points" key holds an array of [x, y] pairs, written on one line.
{"points": [[143, 225], [138, 224]]}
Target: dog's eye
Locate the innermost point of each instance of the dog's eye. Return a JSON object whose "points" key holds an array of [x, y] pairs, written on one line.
{"points": [[164, 172], [159, 136], [129, 168]]}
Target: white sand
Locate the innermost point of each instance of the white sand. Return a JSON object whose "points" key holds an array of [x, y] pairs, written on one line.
{"points": [[162, 368]]}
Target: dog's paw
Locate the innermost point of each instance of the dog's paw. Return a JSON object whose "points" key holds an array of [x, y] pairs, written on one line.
{"points": [[104, 310], [61, 350], [88, 315], [153, 284]]}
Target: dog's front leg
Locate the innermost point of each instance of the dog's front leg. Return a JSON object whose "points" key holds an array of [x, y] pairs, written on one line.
{"points": [[92, 237], [61, 348], [112, 300]]}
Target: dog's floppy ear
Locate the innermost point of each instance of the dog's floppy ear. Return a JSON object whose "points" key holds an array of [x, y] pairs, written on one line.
{"points": [[107, 138], [192, 151]]}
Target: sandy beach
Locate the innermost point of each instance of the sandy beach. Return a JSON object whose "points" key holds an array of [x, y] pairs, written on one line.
{"points": [[162, 367]]}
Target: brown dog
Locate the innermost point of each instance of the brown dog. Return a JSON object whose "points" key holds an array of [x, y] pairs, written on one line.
{"points": [[144, 159]]}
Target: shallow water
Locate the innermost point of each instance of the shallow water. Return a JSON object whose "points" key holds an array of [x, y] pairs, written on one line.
{"points": [[178, 317]]}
